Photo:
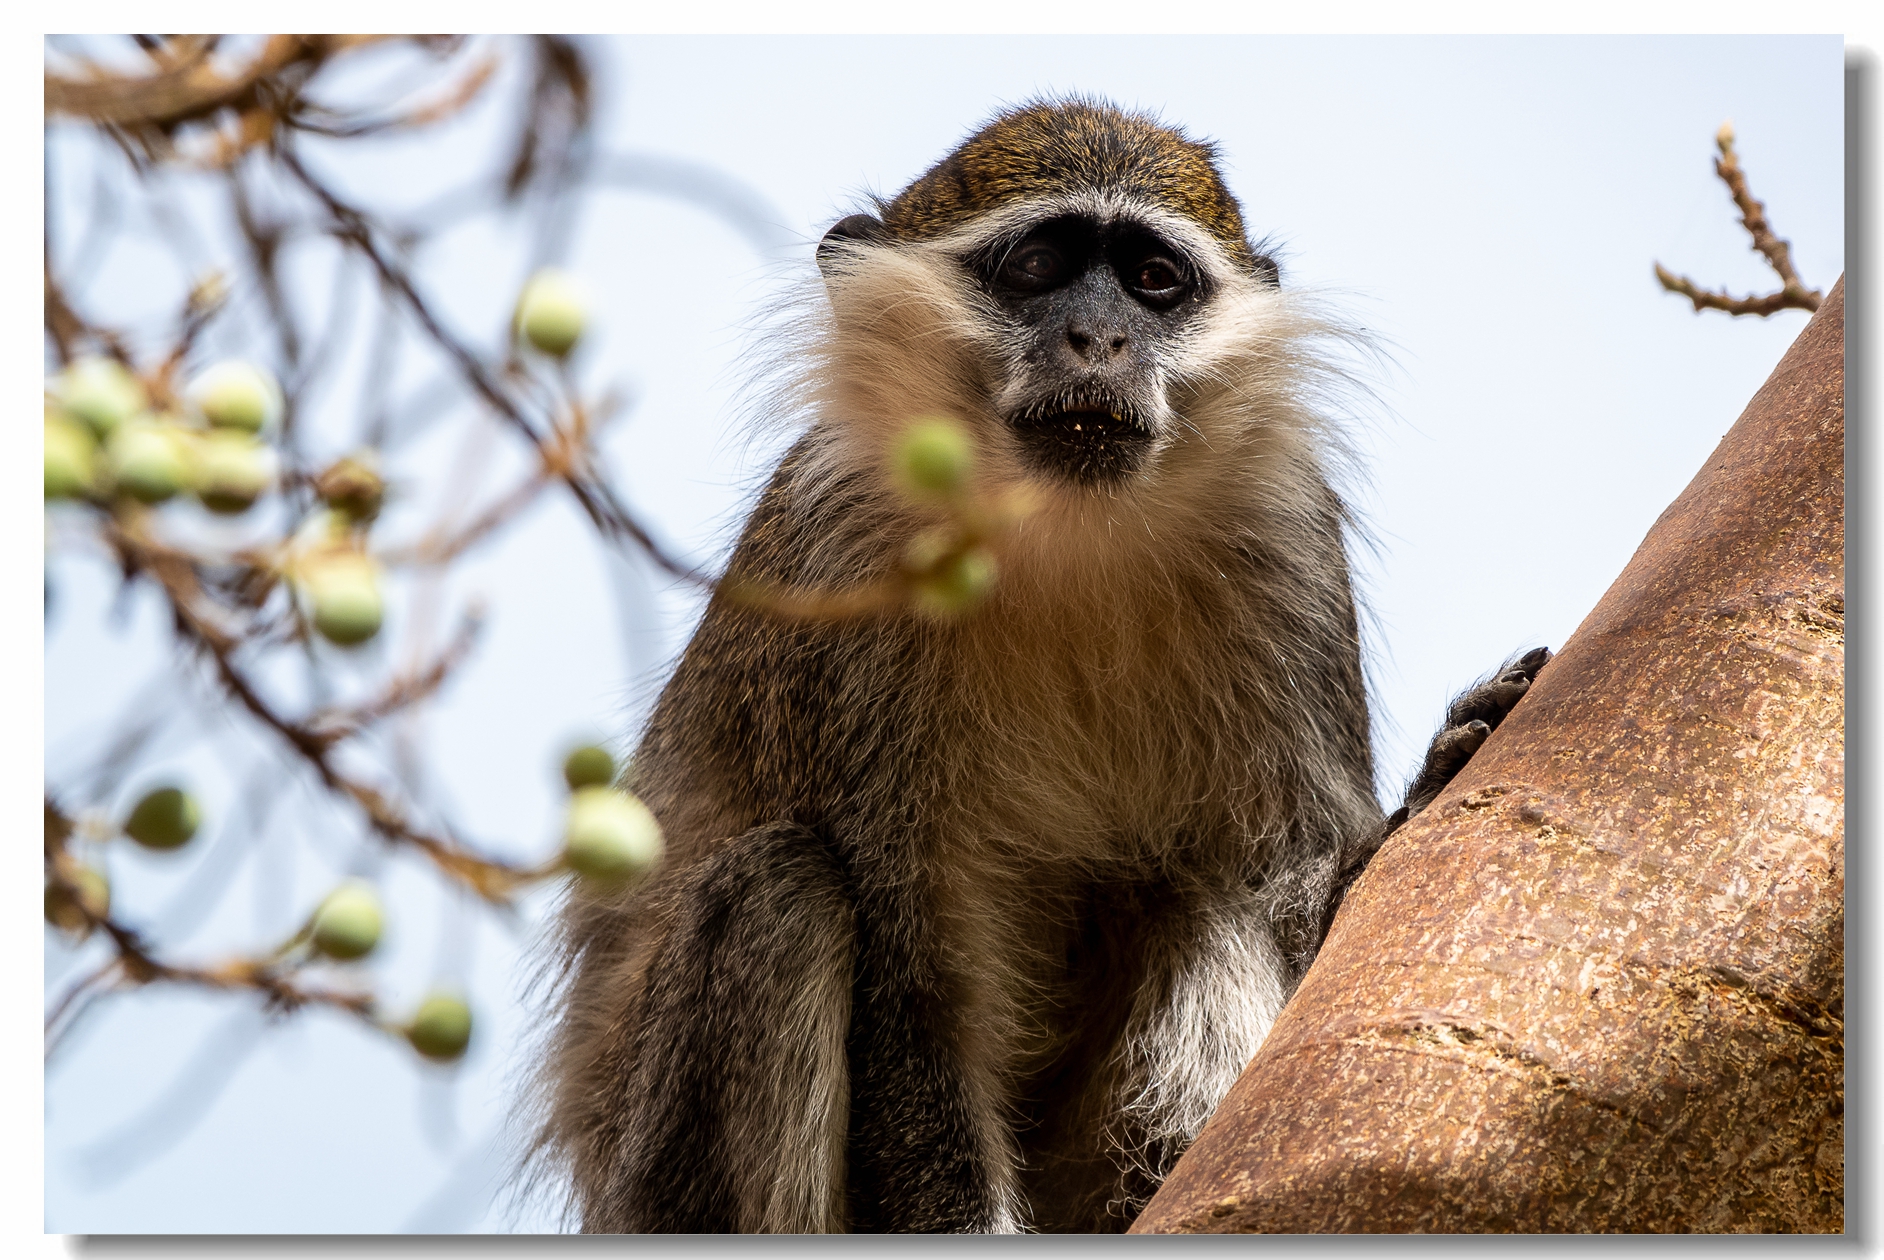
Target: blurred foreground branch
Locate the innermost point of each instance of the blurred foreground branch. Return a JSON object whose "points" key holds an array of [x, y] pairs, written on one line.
{"points": [[192, 473], [231, 457]]}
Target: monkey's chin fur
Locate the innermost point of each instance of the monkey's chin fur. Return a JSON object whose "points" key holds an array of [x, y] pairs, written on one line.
{"points": [[1090, 445]]}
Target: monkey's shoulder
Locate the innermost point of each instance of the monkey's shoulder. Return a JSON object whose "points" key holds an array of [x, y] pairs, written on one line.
{"points": [[818, 521], [771, 706]]}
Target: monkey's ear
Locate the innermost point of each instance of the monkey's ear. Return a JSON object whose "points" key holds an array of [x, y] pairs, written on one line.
{"points": [[857, 227], [1267, 271]]}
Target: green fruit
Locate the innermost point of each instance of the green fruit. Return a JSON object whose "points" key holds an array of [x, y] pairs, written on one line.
{"points": [[352, 486], [149, 460], [71, 458], [610, 835], [442, 1027], [232, 471], [958, 583], [101, 392], [237, 395], [551, 311], [344, 590], [935, 457], [348, 923], [163, 819], [588, 766]]}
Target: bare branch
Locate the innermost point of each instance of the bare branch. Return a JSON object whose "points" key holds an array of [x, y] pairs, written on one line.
{"points": [[453, 101], [1792, 294], [189, 89], [1709, 300]]}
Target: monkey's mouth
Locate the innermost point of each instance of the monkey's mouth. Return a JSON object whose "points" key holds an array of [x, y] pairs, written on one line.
{"points": [[1090, 440]]}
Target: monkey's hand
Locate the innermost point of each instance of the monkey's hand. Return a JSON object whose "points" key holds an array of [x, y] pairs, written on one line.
{"points": [[1469, 719], [1474, 715]]}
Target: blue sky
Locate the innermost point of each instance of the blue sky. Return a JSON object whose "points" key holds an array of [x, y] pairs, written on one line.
{"points": [[1489, 207]]}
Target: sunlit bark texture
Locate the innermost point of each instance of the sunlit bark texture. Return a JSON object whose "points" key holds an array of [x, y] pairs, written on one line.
{"points": [[1598, 984]]}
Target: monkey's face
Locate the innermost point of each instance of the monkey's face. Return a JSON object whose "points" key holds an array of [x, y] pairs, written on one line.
{"points": [[1075, 285], [1100, 349], [1097, 312], [1077, 324]]}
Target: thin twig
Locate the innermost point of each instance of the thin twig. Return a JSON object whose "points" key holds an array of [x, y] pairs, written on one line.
{"points": [[402, 692], [1792, 294], [453, 101], [264, 240], [136, 963], [85, 987], [434, 550], [595, 497], [140, 965]]}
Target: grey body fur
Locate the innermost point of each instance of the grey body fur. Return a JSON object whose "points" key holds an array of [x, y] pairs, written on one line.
{"points": [[970, 923]]}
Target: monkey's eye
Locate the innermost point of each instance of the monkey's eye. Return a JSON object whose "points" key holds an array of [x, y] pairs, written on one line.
{"points": [[1033, 266], [1158, 280]]}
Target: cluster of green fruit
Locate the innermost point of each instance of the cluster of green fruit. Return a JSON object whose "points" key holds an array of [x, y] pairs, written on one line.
{"points": [[106, 442], [609, 836], [949, 566], [103, 440]]}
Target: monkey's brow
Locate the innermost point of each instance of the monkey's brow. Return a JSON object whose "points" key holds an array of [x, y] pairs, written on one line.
{"points": [[1001, 246], [993, 254]]}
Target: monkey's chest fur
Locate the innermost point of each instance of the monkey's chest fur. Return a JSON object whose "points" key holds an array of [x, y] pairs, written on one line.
{"points": [[1171, 732]]}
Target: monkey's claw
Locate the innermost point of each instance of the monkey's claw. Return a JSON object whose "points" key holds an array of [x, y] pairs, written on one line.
{"points": [[1469, 719]]}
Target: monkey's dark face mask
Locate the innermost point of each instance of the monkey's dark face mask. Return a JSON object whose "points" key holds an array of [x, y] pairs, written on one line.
{"points": [[1098, 310], [1094, 313]]}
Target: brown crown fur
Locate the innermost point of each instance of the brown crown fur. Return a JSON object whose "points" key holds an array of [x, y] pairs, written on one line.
{"points": [[1050, 147]]}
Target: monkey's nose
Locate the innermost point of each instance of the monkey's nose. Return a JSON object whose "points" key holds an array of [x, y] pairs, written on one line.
{"points": [[1095, 345]]}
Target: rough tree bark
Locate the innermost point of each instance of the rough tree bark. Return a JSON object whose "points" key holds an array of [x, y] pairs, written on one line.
{"points": [[1599, 983]]}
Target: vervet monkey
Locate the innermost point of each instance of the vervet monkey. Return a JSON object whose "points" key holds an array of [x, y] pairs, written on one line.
{"points": [[968, 923]]}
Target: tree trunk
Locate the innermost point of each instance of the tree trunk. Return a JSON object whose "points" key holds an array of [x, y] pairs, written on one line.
{"points": [[1599, 983]]}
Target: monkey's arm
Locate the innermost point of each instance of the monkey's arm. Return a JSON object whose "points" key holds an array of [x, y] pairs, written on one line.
{"points": [[930, 1147], [764, 1099], [740, 1103], [1471, 717]]}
